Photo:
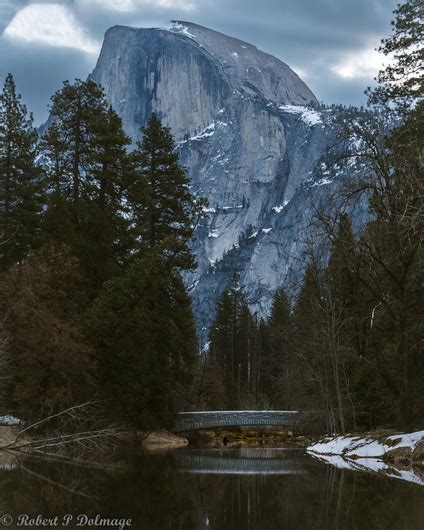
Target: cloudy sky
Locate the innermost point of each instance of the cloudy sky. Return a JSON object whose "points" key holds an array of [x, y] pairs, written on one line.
{"points": [[329, 43]]}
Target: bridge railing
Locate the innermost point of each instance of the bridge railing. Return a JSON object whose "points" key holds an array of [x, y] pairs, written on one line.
{"points": [[190, 421]]}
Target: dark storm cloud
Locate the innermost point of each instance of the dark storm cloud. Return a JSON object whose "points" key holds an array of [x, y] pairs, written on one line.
{"points": [[328, 42]]}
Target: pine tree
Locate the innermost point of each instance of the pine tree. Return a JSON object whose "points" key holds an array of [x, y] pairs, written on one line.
{"points": [[53, 147], [222, 346], [234, 347], [164, 210], [309, 374], [143, 331], [66, 147], [58, 223], [87, 166], [402, 81], [246, 354], [21, 184], [280, 321], [141, 324], [263, 394], [393, 244], [105, 244], [73, 113], [107, 157], [341, 274], [305, 312], [275, 363]]}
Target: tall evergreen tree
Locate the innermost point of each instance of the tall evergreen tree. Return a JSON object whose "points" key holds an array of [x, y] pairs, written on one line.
{"points": [[141, 325], [53, 147], [58, 223], [107, 177], [307, 385], [21, 184], [106, 244], [73, 113], [247, 352], [222, 338], [164, 210], [340, 270], [143, 331], [87, 166], [234, 347], [275, 363]]}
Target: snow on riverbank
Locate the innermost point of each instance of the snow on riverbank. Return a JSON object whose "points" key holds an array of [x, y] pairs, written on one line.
{"points": [[375, 454], [370, 446], [9, 420]]}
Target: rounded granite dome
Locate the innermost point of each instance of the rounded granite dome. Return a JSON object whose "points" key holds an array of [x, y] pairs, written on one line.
{"points": [[186, 74]]}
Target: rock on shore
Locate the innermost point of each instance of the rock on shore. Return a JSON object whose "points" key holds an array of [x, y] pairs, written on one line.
{"points": [[163, 440]]}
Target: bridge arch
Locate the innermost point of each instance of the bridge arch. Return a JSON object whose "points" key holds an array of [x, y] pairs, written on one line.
{"points": [[192, 421]]}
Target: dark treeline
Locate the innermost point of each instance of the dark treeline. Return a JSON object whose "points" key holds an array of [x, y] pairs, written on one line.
{"points": [[94, 238], [351, 344], [246, 356]]}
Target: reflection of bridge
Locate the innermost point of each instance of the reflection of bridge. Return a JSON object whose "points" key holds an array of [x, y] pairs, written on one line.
{"points": [[192, 421], [240, 462]]}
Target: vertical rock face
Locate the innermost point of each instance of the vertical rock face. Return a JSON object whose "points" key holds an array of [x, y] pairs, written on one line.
{"points": [[186, 74], [153, 70], [252, 143]]}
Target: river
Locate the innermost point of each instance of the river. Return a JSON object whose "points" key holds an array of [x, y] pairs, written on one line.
{"points": [[202, 489]]}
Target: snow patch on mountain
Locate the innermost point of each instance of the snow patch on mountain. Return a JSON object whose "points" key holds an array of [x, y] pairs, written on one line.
{"points": [[280, 208], [214, 234], [181, 29], [309, 116]]}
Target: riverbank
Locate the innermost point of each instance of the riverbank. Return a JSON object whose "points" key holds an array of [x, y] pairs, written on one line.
{"points": [[393, 448], [399, 455], [156, 440]]}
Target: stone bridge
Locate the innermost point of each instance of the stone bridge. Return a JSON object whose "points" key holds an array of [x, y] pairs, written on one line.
{"points": [[192, 421]]}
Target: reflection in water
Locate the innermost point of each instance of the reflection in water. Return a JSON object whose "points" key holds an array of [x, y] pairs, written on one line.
{"points": [[217, 490], [239, 462]]}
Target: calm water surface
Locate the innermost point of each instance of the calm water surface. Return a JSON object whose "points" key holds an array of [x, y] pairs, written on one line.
{"points": [[249, 489]]}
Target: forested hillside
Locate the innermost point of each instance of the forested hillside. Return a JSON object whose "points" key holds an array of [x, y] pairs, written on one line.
{"points": [[350, 345]]}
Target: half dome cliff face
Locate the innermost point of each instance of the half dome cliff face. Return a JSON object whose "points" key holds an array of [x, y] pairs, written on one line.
{"points": [[250, 134], [186, 74]]}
